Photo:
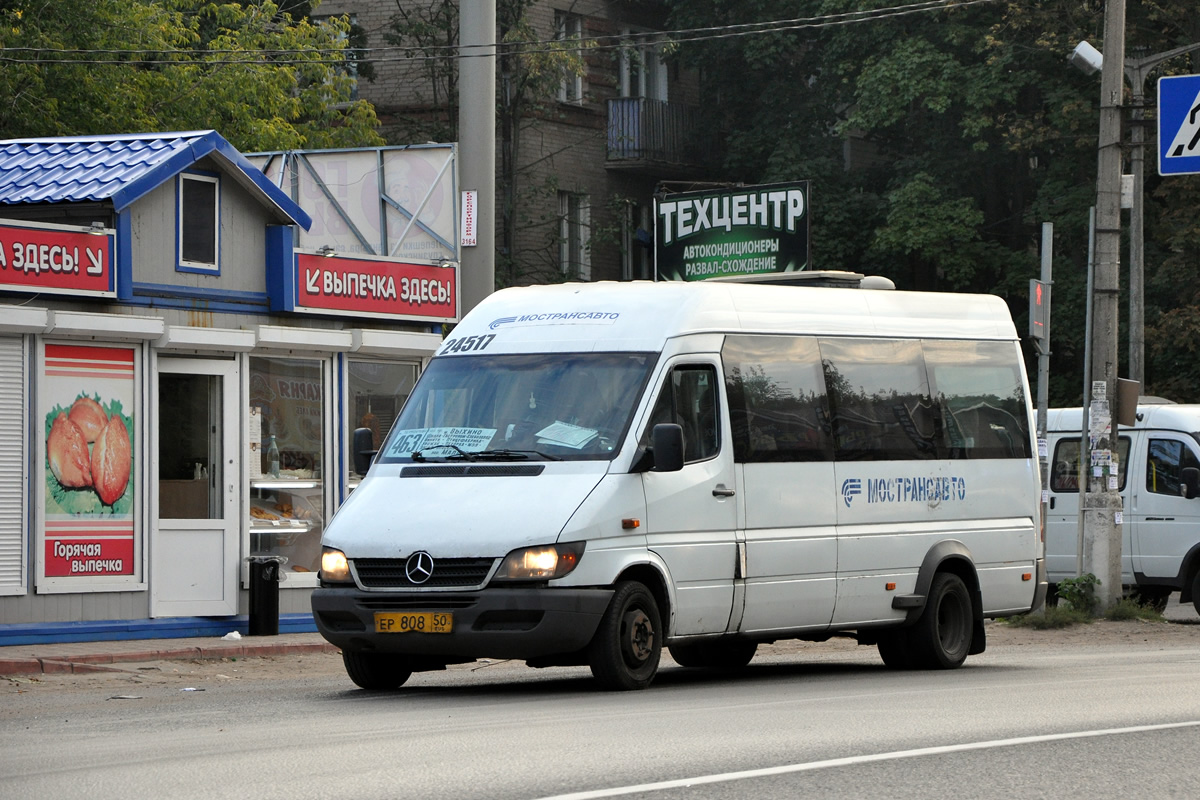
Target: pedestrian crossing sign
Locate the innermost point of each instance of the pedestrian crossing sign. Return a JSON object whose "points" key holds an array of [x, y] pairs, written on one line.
{"points": [[1179, 125]]}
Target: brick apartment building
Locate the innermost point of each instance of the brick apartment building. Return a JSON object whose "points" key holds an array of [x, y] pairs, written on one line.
{"points": [[590, 149]]}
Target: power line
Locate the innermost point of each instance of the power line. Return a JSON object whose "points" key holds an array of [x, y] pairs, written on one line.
{"points": [[279, 57]]}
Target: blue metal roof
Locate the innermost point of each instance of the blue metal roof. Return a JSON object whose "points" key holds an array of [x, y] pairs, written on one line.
{"points": [[123, 168]]}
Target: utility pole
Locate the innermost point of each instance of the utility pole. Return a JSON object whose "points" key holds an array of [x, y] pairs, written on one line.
{"points": [[1102, 502], [477, 144]]}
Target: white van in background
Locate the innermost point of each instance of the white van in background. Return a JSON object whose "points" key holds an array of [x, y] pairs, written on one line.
{"points": [[586, 473], [1160, 545]]}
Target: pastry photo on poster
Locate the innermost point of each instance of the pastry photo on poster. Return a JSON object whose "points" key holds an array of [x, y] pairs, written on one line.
{"points": [[89, 457], [87, 416]]}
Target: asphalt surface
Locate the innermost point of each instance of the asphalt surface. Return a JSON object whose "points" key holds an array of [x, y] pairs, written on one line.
{"points": [[79, 657]]}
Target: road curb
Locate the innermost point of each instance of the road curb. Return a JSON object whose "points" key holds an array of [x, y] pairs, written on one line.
{"points": [[102, 662]]}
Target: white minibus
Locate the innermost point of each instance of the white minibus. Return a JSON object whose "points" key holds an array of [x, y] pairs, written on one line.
{"points": [[587, 473], [1158, 460]]}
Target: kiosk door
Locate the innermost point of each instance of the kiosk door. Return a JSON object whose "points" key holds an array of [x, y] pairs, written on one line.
{"points": [[195, 545]]}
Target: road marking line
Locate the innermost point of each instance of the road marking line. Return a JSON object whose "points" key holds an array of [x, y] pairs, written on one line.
{"points": [[724, 777]]}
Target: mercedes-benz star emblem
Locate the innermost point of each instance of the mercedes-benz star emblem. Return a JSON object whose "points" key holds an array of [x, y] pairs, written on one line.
{"points": [[419, 567]]}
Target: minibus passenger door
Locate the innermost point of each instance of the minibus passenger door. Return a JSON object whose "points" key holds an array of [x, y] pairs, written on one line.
{"points": [[692, 513], [1163, 519]]}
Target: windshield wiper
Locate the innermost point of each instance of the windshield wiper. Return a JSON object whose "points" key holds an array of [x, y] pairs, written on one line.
{"points": [[515, 454], [419, 455]]}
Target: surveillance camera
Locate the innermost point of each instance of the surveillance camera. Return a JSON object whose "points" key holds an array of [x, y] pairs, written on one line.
{"points": [[1086, 58]]}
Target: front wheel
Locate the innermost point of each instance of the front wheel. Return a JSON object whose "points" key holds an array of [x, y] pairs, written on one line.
{"points": [[941, 638], [624, 653], [378, 672], [1196, 591]]}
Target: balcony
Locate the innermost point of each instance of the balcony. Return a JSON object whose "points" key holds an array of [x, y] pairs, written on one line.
{"points": [[646, 133]]}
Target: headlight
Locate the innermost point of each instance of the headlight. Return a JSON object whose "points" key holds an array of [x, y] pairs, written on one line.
{"points": [[540, 563], [334, 566]]}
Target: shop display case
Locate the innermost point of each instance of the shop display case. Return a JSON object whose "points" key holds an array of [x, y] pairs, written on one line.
{"points": [[286, 520]]}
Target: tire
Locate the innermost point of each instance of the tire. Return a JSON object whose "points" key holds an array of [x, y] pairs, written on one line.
{"points": [[895, 649], [378, 672], [1196, 591], [726, 656], [941, 638], [626, 649]]}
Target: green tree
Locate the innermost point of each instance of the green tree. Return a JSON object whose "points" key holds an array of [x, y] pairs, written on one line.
{"points": [[262, 79], [966, 130]]}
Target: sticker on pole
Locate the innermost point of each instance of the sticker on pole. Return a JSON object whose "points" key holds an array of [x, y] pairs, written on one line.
{"points": [[1179, 125]]}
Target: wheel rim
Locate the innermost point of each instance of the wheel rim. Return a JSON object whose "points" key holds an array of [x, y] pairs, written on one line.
{"points": [[637, 637], [952, 623]]}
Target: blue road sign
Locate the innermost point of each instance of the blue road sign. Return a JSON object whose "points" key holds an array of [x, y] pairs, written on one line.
{"points": [[1179, 125]]}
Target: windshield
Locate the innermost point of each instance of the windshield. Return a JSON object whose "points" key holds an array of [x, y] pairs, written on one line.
{"points": [[551, 406]]}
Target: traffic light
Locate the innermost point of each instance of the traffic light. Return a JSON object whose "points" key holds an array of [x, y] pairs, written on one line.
{"points": [[1039, 309]]}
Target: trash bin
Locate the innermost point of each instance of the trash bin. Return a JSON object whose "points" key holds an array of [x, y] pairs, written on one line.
{"points": [[265, 575]]}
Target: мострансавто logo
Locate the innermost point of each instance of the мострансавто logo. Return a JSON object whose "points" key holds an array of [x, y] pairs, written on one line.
{"points": [[906, 490], [559, 318]]}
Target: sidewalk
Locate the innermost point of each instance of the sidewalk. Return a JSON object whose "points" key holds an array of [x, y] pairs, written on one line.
{"points": [[34, 659]]}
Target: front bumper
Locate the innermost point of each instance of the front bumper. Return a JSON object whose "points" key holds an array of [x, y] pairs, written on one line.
{"points": [[516, 623]]}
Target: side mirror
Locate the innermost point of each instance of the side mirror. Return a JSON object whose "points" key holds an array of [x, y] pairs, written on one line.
{"points": [[667, 441], [363, 449], [1191, 482]]}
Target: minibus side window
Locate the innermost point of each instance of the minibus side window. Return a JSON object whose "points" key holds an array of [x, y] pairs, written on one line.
{"points": [[1166, 460], [777, 402], [879, 400], [1064, 470], [979, 390], [689, 399]]}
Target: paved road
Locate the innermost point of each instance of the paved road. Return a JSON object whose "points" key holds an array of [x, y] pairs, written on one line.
{"points": [[1103, 719]]}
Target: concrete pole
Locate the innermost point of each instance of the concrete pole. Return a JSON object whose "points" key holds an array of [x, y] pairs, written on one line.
{"points": [[1137, 238], [477, 143], [1102, 504]]}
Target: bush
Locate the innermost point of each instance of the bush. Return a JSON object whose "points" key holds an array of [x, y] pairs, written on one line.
{"points": [[1080, 593], [1052, 617], [1127, 608]]}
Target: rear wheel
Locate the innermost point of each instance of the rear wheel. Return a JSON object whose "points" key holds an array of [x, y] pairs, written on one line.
{"points": [[720, 655], [895, 649], [1196, 591], [942, 636], [376, 671], [625, 651]]}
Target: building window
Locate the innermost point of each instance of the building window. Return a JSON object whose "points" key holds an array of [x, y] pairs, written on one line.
{"points": [[199, 230], [351, 54], [569, 27], [637, 242], [643, 73], [574, 231]]}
